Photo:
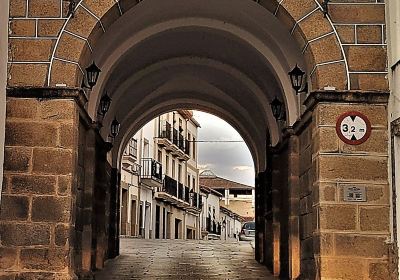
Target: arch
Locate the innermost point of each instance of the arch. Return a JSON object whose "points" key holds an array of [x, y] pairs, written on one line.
{"points": [[94, 24], [304, 20]]}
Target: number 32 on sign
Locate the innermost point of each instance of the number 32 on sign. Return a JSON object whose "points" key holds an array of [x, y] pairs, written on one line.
{"points": [[353, 128]]}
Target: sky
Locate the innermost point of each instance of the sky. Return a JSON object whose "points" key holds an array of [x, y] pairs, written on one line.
{"points": [[232, 161]]}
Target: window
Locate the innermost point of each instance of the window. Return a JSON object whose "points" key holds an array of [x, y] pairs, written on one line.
{"points": [[159, 156], [180, 173], [133, 147], [194, 183], [146, 148], [180, 125], [167, 165], [188, 144], [188, 180], [173, 169]]}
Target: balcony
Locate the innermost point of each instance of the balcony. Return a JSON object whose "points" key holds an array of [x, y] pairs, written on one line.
{"points": [[151, 173], [165, 138], [169, 191], [179, 141], [170, 186], [187, 147], [196, 200], [180, 191], [213, 227], [187, 195], [174, 193]]}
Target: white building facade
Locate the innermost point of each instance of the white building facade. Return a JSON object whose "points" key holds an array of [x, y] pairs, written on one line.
{"points": [[159, 191], [393, 47]]}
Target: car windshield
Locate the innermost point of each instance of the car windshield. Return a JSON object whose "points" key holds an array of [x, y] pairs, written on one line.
{"points": [[251, 226]]}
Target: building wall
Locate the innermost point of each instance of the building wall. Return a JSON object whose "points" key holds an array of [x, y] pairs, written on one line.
{"points": [[393, 45], [4, 7], [232, 227], [147, 147], [242, 207]]}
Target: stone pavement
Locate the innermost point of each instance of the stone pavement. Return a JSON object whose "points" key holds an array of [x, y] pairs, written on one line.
{"points": [[183, 259]]}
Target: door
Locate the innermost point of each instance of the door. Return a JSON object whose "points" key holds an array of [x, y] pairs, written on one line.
{"points": [[178, 228], [157, 233], [124, 212], [133, 218]]}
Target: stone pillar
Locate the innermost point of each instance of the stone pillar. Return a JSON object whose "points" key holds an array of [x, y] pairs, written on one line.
{"points": [[113, 230], [37, 207], [349, 239], [260, 186], [294, 211]]}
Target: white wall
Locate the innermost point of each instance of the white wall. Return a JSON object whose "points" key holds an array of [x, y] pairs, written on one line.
{"points": [[4, 7]]}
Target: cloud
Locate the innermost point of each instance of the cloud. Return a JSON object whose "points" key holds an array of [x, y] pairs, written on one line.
{"points": [[205, 166], [232, 161], [243, 168]]}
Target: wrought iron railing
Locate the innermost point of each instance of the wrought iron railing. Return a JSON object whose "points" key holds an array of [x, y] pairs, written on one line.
{"points": [[170, 186], [151, 169], [166, 130], [175, 137], [180, 191], [213, 227], [187, 194], [187, 147], [181, 142]]}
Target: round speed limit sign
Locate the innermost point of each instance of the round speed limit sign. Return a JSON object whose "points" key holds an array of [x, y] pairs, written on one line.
{"points": [[353, 128]]}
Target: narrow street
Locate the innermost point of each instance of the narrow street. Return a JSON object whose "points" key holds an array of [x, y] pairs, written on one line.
{"points": [[183, 259]]}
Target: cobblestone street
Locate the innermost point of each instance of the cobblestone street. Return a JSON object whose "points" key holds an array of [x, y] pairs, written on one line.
{"points": [[183, 259]]}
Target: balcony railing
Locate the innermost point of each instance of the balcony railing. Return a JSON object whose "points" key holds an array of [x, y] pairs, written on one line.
{"points": [[181, 142], [151, 169], [196, 200], [170, 186], [175, 138], [187, 147], [180, 191], [166, 130], [187, 195], [213, 227]]}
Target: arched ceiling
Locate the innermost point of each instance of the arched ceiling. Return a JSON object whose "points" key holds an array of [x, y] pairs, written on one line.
{"points": [[229, 60]]}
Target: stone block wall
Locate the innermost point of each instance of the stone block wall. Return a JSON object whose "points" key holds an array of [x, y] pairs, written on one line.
{"points": [[36, 215], [347, 51], [58, 219], [350, 232], [307, 215]]}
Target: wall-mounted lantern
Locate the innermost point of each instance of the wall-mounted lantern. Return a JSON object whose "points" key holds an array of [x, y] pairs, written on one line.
{"points": [[104, 105], [277, 109], [115, 126], [71, 8], [92, 75], [296, 78], [325, 7]]}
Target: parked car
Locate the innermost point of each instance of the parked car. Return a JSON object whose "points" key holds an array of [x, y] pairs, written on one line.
{"points": [[248, 231]]}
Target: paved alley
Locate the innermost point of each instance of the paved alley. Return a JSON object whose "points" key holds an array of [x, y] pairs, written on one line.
{"points": [[183, 259]]}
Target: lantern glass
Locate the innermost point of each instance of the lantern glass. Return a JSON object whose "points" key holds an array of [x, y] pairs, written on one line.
{"points": [[105, 103], [276, 107], [92, 75], [115, 125], [296, 78]]}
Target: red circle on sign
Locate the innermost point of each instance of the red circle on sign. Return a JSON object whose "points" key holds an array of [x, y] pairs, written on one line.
{"points": [[353, 114]]}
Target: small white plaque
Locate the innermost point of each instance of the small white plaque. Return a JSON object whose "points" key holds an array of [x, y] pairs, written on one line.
{"points": [[354, 194]]}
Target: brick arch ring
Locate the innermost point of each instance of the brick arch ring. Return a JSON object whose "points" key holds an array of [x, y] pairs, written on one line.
{"points": [[304, 20]]}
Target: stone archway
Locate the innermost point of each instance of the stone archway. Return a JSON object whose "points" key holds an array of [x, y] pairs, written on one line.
{"points": [[55, 151]]}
